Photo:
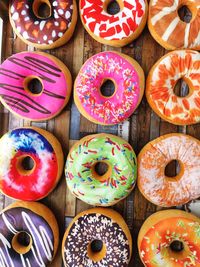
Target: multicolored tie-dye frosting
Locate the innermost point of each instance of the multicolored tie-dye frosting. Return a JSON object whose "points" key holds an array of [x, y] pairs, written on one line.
{"points": [[155, 246], [39, 182], [96, 226], [115, 184], [119, 106], [16, 220]]}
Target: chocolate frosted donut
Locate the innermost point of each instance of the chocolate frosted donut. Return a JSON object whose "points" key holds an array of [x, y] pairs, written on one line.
{"points": [[29, 235], [97, 237], [44, 32]]}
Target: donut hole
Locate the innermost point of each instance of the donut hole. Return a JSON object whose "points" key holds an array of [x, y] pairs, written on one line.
{"points": [[25, 165], [96, 250], [101, 168], [33, 85], [42, 9], [107, 88], [22, 242], [177, 246], [113, 7], [28, 163], [185, 14], [181, 88], [172, 169]]}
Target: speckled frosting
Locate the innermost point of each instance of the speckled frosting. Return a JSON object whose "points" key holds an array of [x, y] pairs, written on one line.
{"points": [[96, 226], [16, 220], [97, 148], [38, 30], [155, 246], [119, 106]]}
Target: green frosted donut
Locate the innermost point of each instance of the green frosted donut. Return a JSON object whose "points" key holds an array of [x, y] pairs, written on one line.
{"points": [[82, 178]]}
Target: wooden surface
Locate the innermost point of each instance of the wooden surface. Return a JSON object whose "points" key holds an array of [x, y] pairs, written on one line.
{"points": [[70, 126]]}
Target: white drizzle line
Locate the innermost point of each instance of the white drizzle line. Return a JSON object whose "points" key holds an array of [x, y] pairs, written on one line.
{"points": [[170, 29], [4, 258], [165, 11], [34, 231], [186, 38], [9, 226]]}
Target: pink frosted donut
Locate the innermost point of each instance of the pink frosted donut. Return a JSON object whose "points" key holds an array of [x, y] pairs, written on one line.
{"points": [[34, 85], [128, 78], [111, 24]]}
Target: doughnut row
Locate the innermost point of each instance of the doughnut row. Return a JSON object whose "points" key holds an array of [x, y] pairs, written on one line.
{"points": [[37, 86]]}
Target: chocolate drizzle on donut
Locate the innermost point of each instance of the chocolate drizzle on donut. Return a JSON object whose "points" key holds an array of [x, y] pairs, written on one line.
{"points": [[91, 227], [16, 220], [21, 100]]}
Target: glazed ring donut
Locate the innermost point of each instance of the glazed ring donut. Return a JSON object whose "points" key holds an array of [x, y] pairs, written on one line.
{"points": [[29, 235], [128, 79], [169, 30], [31, 163], [114, 29], [34, 85], [155, 185], [161, 81], [82, 174], [97, 237], [170, 238], [43, 32]]}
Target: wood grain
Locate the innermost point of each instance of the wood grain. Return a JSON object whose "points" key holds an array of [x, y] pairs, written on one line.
{"points": [[70, 126]]}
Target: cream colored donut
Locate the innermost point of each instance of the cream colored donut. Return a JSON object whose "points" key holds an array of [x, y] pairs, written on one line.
{"points": [[152, 181]]}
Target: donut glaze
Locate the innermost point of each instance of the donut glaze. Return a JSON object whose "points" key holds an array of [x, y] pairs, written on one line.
{"points": [[161, 81], [97, 224], [17, 183], [129, 86], [115, 184], [54, 76], [160, 230], [15, 220], [118, 29], [155, 185], [165, 24], [43, 33]]}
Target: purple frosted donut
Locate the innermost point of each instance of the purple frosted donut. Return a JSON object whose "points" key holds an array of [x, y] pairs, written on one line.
{"points": [[39, 245], [44, 32]]}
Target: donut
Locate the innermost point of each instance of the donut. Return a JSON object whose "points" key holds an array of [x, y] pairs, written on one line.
{"points": [[38, 30], [116, 29], [128, 79], [153, 182], [29, 235], [34, 85], [161, 81], [169, 30], [97, 237], [31, 163], [170, 238], [101, 189]]}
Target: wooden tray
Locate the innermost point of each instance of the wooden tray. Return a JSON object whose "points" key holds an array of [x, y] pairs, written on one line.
{"points": [[70, 126]]}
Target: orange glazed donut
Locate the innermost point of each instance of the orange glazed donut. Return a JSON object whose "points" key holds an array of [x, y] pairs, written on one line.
{"points": [[168, 29], [43, 32], [161, 81], [155, 185], [170, 238], [97, 237]]}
